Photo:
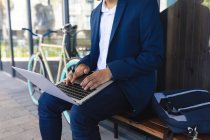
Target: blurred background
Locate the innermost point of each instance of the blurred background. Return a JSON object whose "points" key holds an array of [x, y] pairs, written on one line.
{"points": [[43, 15], [187, 40]]}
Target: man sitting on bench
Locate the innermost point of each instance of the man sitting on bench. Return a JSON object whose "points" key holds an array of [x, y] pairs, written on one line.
{"points": [[127, 47]]}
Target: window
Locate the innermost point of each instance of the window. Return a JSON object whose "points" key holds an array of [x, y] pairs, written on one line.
{"points": [[165, 4], [80, 11]]}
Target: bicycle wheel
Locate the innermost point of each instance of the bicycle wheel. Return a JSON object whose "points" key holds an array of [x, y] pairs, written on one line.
{"points": [[35, 64], [70, 67]]}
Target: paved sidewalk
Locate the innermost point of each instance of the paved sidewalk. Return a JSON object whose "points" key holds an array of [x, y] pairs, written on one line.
{"points": [[19, 120], [18, 115]]}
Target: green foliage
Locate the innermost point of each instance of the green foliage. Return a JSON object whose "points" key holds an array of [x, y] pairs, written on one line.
{"points": [[206, 3]]}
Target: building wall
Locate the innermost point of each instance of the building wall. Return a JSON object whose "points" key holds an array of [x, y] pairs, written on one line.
{"points": [[187, 27]]}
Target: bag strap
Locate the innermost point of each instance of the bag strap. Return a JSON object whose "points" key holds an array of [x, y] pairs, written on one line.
{"points": [[185, 92], [186, 109], [186, 101]]}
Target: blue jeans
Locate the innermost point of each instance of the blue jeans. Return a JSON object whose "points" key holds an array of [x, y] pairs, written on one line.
{"points": [[84, 118]]}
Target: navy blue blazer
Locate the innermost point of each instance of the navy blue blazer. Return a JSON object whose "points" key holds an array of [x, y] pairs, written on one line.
{"points": [[135, 49]]}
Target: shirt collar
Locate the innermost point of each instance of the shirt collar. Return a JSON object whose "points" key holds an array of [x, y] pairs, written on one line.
{"points": [[104, 9]]}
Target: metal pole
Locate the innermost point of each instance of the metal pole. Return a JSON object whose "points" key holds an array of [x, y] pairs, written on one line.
{"points": [[116, 131], [66, 11], [66, 20], [48, 2], [1, 37], [30, 38], [1, 68], [92, 5], [10, 38]]}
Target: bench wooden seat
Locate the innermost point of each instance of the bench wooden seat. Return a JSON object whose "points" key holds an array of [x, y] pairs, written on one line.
{"points": [[153, 127]]}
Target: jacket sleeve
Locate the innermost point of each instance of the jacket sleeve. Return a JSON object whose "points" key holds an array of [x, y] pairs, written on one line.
{"points": [[85, 60], [151, 40]]}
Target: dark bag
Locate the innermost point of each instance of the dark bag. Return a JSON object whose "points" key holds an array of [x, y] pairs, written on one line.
{"points": [[184, 111]]}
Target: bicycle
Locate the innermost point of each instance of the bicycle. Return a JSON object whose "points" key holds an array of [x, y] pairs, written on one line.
{"points": [[38, 62]]}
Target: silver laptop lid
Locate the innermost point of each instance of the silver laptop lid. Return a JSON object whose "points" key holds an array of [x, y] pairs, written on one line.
{"points": [[44, 84]]}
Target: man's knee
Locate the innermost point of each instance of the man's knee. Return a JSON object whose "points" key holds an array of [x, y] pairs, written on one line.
{"points": [[82, 117], [48, 104], [83, 126], [76, 116], [45, 100]]}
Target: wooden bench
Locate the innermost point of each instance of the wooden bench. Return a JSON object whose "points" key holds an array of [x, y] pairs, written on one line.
{"points": [[187, 55], [151, 127]]}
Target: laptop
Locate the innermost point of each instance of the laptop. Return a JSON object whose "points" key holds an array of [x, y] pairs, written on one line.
{"points": [[72, 93]]}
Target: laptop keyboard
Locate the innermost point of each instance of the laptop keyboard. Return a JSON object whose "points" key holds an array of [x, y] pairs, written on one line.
{"points": [[74, 90]]}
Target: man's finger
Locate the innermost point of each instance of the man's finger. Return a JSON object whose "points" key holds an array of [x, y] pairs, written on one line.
{"points": [[86, 71], [74, 77], [68, 79], [87, 80], [94, 86], [89, 85]]}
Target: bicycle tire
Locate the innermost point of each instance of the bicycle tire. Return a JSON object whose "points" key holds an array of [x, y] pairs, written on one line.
{"points": [[34, 91], [70, 66]]}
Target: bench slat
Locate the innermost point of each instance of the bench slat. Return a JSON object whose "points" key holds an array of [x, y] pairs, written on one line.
{"points": [[154, 127], [146, 126]]}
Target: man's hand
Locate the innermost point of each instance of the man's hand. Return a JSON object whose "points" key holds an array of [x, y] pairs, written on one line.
{"points": [[97, 78], [80, 70]]}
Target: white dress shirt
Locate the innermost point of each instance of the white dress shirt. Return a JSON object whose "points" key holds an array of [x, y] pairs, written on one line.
{"points": [[107, 18]]}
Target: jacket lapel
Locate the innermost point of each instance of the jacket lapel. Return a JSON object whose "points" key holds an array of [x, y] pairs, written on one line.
{"points": [[119, 12]]}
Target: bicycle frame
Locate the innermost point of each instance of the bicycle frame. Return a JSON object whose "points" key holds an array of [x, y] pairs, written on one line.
{"points": [[62, 61], [44, 68]]}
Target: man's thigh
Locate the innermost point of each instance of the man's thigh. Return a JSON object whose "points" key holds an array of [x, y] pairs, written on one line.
{"points": [[107, 103], [49, 103]]}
